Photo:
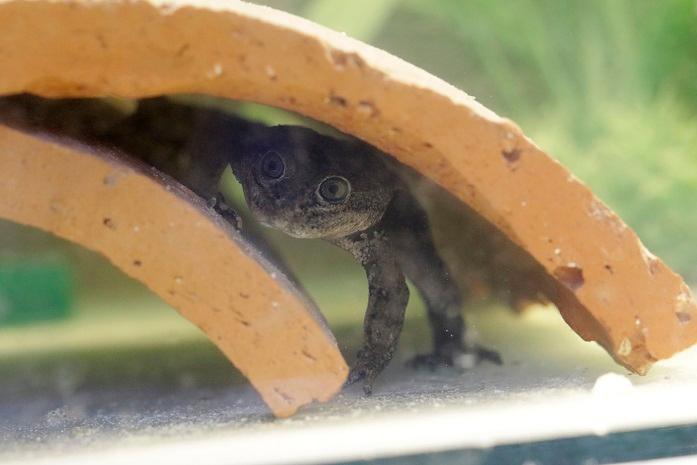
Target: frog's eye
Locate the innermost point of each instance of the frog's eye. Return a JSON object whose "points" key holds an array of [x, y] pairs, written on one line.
{"points": [[334, 189], [272, 165]]}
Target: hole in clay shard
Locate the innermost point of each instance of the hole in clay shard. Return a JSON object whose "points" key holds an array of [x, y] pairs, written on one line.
{"points": [[110, 179], [570, 276], [367, 108], [343, 60], [109, 223], [338, 100], [511, 156]]}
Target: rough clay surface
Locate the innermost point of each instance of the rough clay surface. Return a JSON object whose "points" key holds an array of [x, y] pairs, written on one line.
{"points": [[188, 256], [608, 287]]}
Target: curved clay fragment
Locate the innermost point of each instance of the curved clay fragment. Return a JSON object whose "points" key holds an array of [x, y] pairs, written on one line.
{"points": [[608, 287], [165, 236]]}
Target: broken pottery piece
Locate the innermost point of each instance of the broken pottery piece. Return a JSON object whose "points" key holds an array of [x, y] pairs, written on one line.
{"points": [[161, 234]]}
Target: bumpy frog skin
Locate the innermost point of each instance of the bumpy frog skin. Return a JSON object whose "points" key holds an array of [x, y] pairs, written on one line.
{"points": [[346, 192]]}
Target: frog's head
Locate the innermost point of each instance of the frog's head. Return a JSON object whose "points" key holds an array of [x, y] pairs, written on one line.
{"points": [[310, 185]]}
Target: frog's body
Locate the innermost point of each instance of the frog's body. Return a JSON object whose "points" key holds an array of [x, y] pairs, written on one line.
{"points": [[313, 186]]}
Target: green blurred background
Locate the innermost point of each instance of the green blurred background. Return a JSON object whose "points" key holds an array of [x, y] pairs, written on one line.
{"points": [[607, 86]]}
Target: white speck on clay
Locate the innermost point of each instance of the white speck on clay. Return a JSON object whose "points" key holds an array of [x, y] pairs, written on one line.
{"points": [[683, 302], [217, 71], [366, 108], [168, 8], [650, 259], [113, 178], [625, 348], [600, 212]]}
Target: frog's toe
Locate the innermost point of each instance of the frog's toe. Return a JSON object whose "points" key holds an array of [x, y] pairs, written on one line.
{"points": [[429, 362], [460, 358], [218, 204], [363, 371], [487, 355], [356, 375]]}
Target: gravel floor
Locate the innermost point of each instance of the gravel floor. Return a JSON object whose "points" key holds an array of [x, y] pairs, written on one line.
{"points": [[169, 395]]}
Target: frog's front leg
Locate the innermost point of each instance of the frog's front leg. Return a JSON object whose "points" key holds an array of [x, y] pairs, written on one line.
{"points": [[387, 300]]}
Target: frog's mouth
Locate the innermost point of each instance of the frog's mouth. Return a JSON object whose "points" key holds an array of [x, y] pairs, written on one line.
{"points": [[287, 227], [258, 199]]}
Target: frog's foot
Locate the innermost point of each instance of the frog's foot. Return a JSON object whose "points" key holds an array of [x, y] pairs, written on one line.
{"points": [[366, 368], [461, 359], [226, 211]]}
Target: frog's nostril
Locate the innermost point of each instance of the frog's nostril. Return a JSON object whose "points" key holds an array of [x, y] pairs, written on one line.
{"points": [[272, 165]]}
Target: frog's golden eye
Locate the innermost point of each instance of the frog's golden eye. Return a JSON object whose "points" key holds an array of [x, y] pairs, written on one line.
{"points": [[272, 165], [334, 189]]}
